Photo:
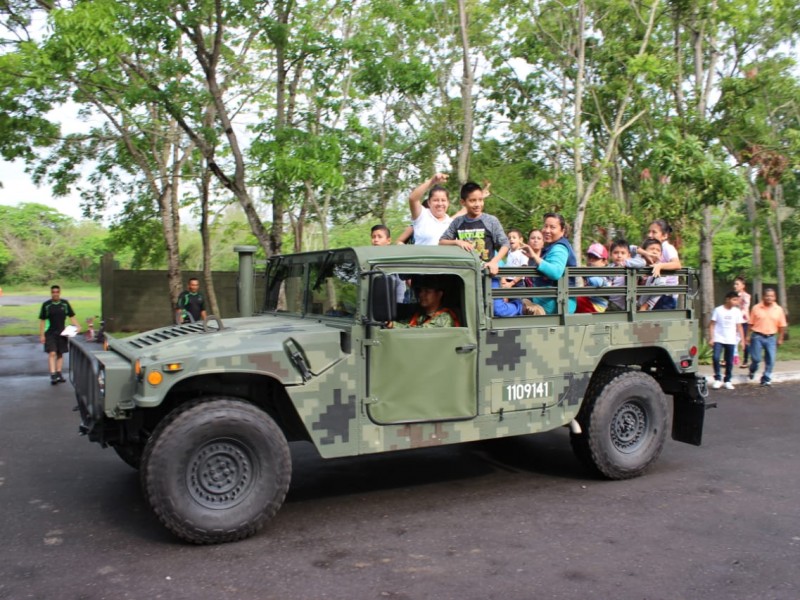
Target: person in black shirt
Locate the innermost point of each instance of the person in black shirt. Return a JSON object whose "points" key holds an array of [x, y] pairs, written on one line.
{"points": [[54, 314], [191, 304]]}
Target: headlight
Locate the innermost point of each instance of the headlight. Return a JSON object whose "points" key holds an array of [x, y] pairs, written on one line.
{"points": [[101, 381]]}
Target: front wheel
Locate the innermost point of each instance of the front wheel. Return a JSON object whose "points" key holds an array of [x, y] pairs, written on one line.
{"points": [[624, 424], [216, 471]]}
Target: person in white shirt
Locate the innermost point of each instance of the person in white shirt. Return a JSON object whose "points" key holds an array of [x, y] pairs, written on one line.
{"points": [[725, 326], [515, 258], [669, 261], [429, 218]]}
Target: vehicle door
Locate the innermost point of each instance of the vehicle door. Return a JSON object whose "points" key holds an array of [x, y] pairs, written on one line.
{"points": [[425, 374]]}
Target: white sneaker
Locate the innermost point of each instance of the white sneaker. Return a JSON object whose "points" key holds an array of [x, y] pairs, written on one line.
{"points": [[729, 385], [716, 385]]}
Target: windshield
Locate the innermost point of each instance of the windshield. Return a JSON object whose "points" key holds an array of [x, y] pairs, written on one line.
{"points": [[321, 284]]}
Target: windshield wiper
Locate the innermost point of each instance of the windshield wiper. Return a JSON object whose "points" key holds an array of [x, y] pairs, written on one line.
{"points": [[322, 271]]}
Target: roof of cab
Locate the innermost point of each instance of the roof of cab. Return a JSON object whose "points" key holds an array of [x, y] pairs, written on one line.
{"points": [[406, 254], [415, 254]]}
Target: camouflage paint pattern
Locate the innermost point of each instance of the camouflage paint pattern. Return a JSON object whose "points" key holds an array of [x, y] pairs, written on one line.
{"points": [[526, 374]]}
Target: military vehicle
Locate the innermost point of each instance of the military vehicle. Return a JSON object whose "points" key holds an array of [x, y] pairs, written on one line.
{"points": [[206, 410]]}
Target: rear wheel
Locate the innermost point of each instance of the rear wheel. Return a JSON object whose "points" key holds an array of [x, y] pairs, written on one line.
{"points": [[624, 424], [216, 471]]}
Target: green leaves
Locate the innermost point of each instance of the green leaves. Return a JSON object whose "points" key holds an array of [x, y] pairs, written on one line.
{"points": [[89, 31], [39, 243]]}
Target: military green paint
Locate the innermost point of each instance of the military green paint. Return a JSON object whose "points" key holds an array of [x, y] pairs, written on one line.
{"points": [[376, 390]]}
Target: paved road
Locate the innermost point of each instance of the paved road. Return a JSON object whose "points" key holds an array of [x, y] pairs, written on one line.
{"points": [[512, 520]]}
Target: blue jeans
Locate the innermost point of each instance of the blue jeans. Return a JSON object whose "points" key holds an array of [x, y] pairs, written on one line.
{"points": [[719, 349], [770, 345]]}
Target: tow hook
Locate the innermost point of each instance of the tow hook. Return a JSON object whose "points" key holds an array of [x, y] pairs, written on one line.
{"points": [[702, 390], [702, 387]]}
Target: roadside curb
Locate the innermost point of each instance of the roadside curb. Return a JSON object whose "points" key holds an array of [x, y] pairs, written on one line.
{"points": [[777, 377]]}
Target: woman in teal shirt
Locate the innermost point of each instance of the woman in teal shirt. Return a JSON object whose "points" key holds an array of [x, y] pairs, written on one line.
{"points": [[556, 256]]}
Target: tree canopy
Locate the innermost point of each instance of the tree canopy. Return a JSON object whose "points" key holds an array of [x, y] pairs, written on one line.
{"points": [[314, 116]]}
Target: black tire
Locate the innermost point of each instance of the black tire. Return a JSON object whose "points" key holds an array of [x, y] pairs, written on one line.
{"points": [[131, 454], [624, 424], [216, 471]]}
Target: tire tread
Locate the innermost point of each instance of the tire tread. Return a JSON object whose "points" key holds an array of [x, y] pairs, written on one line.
{"points": [[165, 507]]}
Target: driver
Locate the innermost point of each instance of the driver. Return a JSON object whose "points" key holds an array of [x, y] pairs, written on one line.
{"points": [[431, 313]]}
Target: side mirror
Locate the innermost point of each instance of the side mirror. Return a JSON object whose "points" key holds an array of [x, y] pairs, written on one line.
{"points": [[383, 298]]}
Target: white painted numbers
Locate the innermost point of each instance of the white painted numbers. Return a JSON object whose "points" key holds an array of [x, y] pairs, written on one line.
{"points": [[528, 390]]}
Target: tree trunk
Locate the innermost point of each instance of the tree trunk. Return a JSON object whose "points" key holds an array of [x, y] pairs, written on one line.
{"points": [[776, 234], [168, 209], [752, 216], [208, 279], [467, 80], [614, 127], [703, 78], [706, 270], [577, 126]]}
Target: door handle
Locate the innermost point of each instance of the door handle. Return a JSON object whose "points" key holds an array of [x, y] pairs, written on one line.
{"points": [[465, 349]]}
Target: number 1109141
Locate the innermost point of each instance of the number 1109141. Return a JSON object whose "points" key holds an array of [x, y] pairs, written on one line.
{"points": [[526, 391]]}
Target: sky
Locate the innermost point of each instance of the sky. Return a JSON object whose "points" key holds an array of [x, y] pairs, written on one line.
{"points": [[18, 188]]}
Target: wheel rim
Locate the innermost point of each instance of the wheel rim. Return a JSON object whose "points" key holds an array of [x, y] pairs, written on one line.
{"points": [[221, 473], [629, 427]]}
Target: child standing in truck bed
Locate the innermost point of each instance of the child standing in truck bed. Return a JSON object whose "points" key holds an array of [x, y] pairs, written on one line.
{"points": [[621, 257], [477, 230], [652, 248], [516, 258], [596, 256]]}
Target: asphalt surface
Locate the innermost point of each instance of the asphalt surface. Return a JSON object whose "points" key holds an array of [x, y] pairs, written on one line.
{"points": [[513, 519]]}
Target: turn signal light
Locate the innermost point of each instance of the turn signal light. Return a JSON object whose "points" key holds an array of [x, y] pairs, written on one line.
{"points": [[154, 378], [172, 367]]}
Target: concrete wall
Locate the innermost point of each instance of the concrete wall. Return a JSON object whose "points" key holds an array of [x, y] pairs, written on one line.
{"points": [[139, 300]]}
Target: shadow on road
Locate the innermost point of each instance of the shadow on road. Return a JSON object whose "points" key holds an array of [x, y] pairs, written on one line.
{"points": [[546, 454]]}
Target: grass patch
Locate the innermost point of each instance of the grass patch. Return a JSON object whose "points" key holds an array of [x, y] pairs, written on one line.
{"points": [[23, 319], [790, 349], [68, 288]]}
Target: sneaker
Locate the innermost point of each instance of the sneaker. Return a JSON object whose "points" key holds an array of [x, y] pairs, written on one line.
{"points": [[751, 375], [60, 378], [729, 385], [716, 385], [766, 383], [53, 379]]}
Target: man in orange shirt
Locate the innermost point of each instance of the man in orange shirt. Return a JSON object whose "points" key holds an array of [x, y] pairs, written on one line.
{"points": [[767, 328]]}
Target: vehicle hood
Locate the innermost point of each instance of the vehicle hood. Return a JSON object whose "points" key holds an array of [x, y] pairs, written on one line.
{"points": [[266, 344]]}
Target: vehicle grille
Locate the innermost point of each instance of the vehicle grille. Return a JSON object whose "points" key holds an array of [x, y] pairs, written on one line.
{"points": [[83, 370]]}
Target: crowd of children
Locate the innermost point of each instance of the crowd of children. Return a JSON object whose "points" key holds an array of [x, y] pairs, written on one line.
{"points": [[547, 249]]}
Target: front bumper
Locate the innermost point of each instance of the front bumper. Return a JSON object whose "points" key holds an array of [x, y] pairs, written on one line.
{"points": [[98, 403]]}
